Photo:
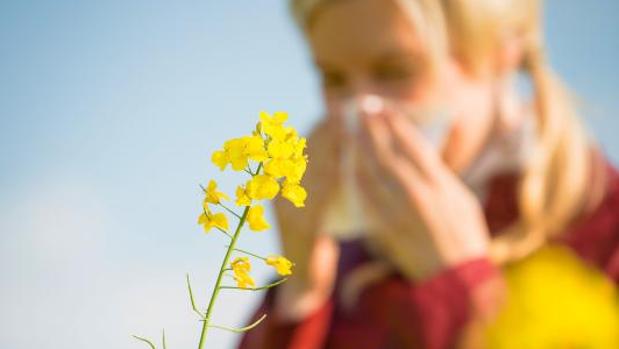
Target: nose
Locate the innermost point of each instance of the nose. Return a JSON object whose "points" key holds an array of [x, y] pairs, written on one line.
{"points": [[358, 91], [360, 95], [360, 87], [353, 108]]}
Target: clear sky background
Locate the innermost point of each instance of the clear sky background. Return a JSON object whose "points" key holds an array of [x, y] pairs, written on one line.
{"points": [[109, 111]]}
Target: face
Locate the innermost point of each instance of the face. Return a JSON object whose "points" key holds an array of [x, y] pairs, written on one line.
{"points": [[365, 47]]}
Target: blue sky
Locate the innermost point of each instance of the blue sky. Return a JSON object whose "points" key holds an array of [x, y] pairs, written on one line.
{"points": [[109, 111]]}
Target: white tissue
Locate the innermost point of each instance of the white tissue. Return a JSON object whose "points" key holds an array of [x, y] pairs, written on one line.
{"points": [[345, 218]]}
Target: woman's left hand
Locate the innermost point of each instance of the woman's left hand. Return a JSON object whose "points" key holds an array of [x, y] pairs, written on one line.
{"points": [[425, 218]]}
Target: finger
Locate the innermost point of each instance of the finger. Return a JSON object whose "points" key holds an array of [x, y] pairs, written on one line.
{"points": [[415, 148], [380, 217], [381, 203], [379, 180], [376, 140], [408, 182], [373, 189], [386, 218]]}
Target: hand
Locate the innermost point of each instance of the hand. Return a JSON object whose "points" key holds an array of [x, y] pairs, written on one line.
{"points": [[314, 254], [425, 219]]}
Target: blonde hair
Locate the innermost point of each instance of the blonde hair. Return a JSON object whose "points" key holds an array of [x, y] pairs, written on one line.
{"points": [[554, 187]]}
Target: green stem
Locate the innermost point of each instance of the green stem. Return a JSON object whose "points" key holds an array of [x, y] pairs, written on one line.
{"points": [[150, 344], [229, 210], [222, 270], [242, 329], [225, 232], [266, 287], [250, 254], [193, 303]]}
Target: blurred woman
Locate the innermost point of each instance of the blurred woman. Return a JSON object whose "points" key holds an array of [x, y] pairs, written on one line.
{"points": [[456, 169]]}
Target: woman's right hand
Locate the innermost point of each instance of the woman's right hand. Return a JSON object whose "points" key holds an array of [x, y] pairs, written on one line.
{"points": [[314, 253]]}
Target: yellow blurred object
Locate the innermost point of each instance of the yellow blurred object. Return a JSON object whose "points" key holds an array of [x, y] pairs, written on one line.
{"points": [[556, 301]]}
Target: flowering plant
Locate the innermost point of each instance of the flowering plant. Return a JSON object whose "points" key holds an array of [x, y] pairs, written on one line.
{"points": [[273, 157]]}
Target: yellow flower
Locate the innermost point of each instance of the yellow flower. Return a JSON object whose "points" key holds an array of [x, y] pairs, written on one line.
{"points": [[212, 195], [235, 149], [209, 220], [299, 147], [294, 193], [287, 158], [220, 158], [241, 265], [241, 268], [262, 187], [556, 301], [289, 146], [254, 148], [295, 173], [273, 125], [277, 168], [255, 218], [281, 264], [292, 170], [279, 149], [242, 199], [238, 151]]}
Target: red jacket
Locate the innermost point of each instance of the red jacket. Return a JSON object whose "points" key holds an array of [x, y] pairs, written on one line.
{"points": [[399, 314]]}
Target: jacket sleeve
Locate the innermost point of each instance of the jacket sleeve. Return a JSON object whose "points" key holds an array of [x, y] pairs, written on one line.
{"points": [[429, 315], [440, 308], [596, 237], [275, 333], [432, 314]]}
